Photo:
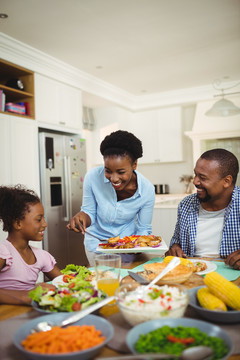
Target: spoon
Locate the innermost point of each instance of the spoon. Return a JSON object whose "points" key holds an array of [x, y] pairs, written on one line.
{"points": [[195, 352], [45, 326]]}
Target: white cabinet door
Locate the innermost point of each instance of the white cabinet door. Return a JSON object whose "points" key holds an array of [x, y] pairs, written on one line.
{"points": [[18, 154], [46, 100], [143, 126], [5, 149], [57, 103], [169, 130], [70, 100], [24, 153], [161, 134]]}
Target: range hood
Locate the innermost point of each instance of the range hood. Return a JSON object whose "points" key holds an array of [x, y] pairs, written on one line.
{"points": [[207, 124], [207, 128]]}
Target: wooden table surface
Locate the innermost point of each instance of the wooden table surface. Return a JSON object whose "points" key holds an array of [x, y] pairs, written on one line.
{"points": [[9, 311]]}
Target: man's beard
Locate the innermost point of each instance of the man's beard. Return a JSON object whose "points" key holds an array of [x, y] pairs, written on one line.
{"points": [[206, 198]]}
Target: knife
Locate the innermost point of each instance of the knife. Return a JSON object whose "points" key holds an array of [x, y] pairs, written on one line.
{"points": [[141, 280]]}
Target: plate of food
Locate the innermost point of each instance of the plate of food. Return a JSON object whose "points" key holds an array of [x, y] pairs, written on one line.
{"points": [[74, 291], [70, 272], [201, 267], [133, 244]]}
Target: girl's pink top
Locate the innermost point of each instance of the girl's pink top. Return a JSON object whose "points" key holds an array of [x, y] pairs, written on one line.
{"points": [[16, 274]]}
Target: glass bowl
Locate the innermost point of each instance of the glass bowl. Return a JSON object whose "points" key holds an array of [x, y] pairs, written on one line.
{"points": [[137, 304]]}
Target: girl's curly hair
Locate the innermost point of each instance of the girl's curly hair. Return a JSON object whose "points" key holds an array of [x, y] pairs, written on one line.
{"points": [[14, 203], [122, 143]]}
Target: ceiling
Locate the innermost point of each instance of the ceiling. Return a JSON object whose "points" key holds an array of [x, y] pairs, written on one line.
{"points": [[139, 46]]}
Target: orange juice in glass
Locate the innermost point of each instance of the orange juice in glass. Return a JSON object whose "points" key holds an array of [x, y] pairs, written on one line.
{"points": [[107, 268], [108, 285]]}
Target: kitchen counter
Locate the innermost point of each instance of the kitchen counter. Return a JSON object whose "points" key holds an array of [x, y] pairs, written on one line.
{"points": [[168, 200]]}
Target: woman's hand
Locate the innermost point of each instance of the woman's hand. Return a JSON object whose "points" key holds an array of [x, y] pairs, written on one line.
{"points": [[176, 250], [79, 222]]}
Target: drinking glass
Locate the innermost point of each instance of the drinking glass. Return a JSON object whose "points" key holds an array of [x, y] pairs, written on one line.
{"points": [[107, 268]]}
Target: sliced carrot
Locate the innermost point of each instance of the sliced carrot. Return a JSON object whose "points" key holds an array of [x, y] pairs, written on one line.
{"points": [[63, 340]]}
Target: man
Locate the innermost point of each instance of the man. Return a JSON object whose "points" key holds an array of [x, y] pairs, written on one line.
{"points": [[208, 222]]}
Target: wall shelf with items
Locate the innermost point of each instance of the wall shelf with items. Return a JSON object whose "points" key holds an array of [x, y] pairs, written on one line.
{"points": [[10, 71]]}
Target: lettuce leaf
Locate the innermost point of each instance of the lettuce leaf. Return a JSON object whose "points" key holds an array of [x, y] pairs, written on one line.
{"points": [[36, 294], [81, 271]]}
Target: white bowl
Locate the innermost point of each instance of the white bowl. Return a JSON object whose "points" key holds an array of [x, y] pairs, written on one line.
{"points": [[136, 311]]}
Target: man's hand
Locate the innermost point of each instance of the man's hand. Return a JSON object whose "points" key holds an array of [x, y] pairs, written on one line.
{"points": [[233, 260], [176, 250]]}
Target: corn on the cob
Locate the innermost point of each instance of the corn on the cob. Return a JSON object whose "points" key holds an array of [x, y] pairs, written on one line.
{"points": [[225, 290], [209, 301], [183, 261]]}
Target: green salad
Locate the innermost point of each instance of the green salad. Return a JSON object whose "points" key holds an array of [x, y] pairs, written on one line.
{"points": [[75, 294], [173, 340]]}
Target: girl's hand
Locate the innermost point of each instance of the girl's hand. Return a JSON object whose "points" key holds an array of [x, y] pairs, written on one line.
{"points": [[46, 286]]}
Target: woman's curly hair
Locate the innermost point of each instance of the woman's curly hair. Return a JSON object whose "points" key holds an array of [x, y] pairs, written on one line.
{"points": [[14, 203], [122, 143]]}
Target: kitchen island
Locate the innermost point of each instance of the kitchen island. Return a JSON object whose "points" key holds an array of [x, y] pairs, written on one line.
{"points": [[165, 215]]}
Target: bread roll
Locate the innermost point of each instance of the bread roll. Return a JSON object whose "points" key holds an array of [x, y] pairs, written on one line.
{"points": [[177, 275]]}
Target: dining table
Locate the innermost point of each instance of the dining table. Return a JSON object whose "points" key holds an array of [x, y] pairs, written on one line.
{"points": [[13, 316]]}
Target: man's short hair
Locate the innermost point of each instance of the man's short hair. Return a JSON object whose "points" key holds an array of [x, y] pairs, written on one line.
{"points": [[228, 163]]}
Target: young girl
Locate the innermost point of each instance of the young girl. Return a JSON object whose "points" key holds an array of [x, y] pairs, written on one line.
{"points": [[22, 215]]}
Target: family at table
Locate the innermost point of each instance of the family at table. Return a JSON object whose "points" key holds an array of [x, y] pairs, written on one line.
{"points": [[118, 200]]}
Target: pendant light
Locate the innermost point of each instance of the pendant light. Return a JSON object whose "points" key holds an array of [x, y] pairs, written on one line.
{"points": [[223, 107]]}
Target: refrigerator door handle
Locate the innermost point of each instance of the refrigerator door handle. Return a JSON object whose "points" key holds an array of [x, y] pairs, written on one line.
{"points": [[68, 191]]}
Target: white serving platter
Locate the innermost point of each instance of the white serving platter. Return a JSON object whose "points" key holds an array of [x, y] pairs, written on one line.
{"points": [[147, 249]]}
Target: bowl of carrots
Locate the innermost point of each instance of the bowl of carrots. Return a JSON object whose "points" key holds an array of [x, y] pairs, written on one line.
{"points": [[81, 340]]}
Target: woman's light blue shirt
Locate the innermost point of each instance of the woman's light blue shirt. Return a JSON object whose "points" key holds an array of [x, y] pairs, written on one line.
{"points": [[109, 217]]}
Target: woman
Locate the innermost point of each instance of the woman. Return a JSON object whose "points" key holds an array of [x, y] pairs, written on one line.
{"points": [[117, 200]]}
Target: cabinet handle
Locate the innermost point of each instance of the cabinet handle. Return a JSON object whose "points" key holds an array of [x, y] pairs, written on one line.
{"points": [[62, 123], [157, 160], [68, 190]]}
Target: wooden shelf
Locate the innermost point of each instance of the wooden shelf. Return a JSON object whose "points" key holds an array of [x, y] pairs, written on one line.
{"points": [[11, 71]]}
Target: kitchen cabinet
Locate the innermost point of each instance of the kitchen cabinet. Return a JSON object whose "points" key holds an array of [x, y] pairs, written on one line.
{"points": [[10, 71], [159, 130], [19, 152], [161, 134], [58, 103], [164, 222]]}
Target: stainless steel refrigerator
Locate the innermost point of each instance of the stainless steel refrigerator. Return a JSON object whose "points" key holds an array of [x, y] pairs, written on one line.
{"points": [[62, 170]]}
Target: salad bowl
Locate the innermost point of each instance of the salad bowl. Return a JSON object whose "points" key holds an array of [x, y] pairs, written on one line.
{"points": [[74, 294]]}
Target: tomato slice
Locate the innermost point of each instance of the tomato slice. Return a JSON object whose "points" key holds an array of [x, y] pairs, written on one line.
{"points": [[76, 306], [71, 285], [66, 278], [184, 341]]}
